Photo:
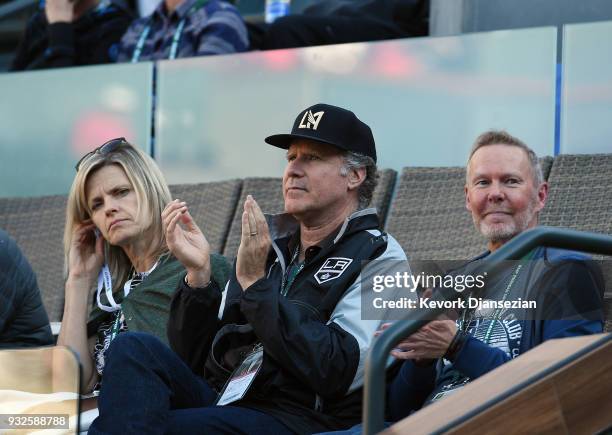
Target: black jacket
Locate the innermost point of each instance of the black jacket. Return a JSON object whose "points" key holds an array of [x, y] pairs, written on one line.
{"points": [[92, 39], [314, 339], [23, 319], [411, 16]]}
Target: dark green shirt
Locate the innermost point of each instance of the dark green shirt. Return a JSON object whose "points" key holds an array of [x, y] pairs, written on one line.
{"points": [[147, 307]]}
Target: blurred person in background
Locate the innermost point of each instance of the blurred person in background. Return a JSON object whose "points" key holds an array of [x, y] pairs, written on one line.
{"points": [[114, 240], [339, 21], [70, 33], [23, 319], [185, 28]]}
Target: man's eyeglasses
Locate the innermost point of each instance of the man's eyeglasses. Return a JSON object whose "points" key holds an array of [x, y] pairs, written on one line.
{"points": [[105, 148]]}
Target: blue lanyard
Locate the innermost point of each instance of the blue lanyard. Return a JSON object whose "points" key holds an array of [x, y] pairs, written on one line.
{"points": [[175, 38]]}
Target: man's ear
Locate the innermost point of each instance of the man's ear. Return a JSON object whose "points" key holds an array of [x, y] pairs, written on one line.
{"points": [[356, 177], [468, 205], [542, 195]]}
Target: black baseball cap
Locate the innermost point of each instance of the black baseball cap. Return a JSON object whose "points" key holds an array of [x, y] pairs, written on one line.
{"points": [[331, 125]]}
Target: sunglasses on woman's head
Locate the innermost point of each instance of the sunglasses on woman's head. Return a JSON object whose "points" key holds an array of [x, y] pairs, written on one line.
{"points": [[105, 148]]}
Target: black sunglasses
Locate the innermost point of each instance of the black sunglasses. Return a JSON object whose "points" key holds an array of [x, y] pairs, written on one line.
{"points": [[105, 148]]}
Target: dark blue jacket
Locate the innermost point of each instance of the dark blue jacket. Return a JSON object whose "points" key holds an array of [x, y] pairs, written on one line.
{"points": [[23, 319], [570, 280]]}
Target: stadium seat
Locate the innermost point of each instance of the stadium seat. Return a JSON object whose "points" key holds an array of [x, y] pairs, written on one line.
{"points": [[580, 197]]}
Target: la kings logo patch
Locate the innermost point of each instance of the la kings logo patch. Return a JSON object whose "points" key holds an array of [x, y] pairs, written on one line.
{"points": [[332, 269]]}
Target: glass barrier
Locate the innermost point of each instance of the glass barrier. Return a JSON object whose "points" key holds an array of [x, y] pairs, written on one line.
{"points": [[426, 100], [49, 119], [587, 89], [39, 390]]}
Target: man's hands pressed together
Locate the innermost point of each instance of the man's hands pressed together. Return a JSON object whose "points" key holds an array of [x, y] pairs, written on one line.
{"points": [[254, 245]]}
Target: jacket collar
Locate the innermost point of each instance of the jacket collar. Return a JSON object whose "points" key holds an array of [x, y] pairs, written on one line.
{"points": [[284, 231], [285, 225]]}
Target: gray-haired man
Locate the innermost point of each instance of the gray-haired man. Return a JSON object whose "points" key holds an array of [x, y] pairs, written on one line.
{"points": [[286, 353]]}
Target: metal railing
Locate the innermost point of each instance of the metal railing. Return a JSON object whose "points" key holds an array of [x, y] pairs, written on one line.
{"points": [[374, 377]]}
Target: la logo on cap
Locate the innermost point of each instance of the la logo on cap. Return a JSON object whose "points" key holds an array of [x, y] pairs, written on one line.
{"points": [[312, 121]]}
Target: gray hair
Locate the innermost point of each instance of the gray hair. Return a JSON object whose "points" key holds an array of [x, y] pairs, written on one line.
{"points": [[500, 137], [354, 160]]}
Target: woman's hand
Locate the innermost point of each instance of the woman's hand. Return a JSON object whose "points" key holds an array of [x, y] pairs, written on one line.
{"points": [[59, 11], [85, 258], [254, 245], [187, 243], [86, 254]]}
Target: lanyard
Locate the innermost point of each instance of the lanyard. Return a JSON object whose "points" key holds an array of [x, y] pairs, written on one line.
{"points": [[105, 282], [116, 326], [291, 273], [175, 38], [496, 315], [498, 311]]}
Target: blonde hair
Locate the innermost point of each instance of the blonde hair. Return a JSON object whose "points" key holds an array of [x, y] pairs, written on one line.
{"points": [[152, 195]]}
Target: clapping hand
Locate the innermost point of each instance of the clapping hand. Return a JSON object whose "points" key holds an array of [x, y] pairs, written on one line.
{"points": [[254, 245], [187, 243], [59, 11]]}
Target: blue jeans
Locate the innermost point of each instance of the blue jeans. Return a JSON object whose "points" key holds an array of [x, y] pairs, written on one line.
{"points": [[147, 388]]}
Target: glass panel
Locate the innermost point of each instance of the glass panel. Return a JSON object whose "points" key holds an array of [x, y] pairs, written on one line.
{"points": [[587, 89], [39, 382], [49, 119], [425, 99]]}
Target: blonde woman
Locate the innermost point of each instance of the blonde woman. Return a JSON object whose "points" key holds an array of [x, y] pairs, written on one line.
{"points": [[114, 242]]}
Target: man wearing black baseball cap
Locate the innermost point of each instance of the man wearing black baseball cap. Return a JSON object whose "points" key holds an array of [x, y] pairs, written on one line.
{"points": [[286, 353], [330, 125]]}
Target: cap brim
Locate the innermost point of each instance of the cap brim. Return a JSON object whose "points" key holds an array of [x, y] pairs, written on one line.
{"points": [[284, 140]]}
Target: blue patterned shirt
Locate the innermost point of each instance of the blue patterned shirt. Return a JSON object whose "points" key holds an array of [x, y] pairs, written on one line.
{"points": [[214, 28]]}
